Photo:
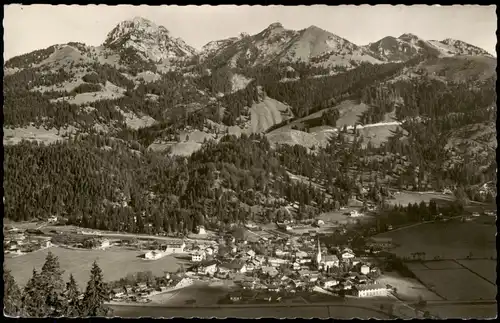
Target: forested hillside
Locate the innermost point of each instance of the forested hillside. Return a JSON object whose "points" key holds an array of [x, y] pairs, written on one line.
{"points": [[119, 103]]}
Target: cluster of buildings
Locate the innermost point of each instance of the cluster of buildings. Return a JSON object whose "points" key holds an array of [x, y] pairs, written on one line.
{"points": [[140, 292], [17, 242], [284, 266]]}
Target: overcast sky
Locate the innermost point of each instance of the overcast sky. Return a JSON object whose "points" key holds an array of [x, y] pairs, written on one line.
{"points": [[30, 27]]}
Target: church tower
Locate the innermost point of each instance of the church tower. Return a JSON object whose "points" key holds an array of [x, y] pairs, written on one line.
{"points": [[318, 256]]}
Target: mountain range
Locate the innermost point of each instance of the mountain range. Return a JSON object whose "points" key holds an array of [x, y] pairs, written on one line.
{"points": [[137, 55], [304, 106], [272, 45]]}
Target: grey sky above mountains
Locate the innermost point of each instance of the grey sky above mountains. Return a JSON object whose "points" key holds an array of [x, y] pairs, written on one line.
{"points": [[28, 28]]}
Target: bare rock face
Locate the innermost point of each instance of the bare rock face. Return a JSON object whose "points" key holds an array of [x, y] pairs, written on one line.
{"points": [[151, 41]]}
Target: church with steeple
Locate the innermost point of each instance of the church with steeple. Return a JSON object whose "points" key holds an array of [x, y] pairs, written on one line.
{"points": [[326, 262], [319, 260]]}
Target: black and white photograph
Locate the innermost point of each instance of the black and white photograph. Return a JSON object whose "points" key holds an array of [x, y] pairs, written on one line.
{"points": [[250, 161]]}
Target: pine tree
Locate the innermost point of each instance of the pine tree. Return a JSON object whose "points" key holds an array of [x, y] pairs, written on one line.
{"points": [[12, 295], [95, 294], [72, 294], [33, 300], [52, 284]]}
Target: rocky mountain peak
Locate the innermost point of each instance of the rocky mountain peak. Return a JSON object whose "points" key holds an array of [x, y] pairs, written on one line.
{"points": [[315, 28], [463, 48], [151, 41], [408, 37], [275, 25]]}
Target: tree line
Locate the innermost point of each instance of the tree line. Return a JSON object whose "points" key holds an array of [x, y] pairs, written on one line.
{"points": [[46, 294]]}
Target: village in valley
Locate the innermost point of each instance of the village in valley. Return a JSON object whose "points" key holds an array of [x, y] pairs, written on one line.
{"points": [[288, 262], [280, 173]]}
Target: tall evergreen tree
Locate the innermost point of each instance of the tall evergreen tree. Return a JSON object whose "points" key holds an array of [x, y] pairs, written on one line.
{"points": [[12, 295], [52, 284], [33, 300], [72, 294], [95, 294]]}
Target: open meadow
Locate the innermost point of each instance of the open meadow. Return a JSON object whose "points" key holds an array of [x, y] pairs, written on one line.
{"points": [[336, 218], [447, 240], [406, 197], [457, 284], [485, 268], [115, 263], [202, 293], [408, 289]]}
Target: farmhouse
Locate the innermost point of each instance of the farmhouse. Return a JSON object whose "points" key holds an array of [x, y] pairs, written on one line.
{"points": [[234, 266], [208, 269], [103, 244], [197, 256], [364, 269], [347, 254], [175, 247], [370, 290]]}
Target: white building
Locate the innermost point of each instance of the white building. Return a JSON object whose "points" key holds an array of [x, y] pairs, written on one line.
{"points": [[104, 244], [364, 269], [197, 256], [278, 261], [371, 290], [208, 270], [201, 229], [320, 222], [281, 253], [175, 247], [251, 253], [330, 283], [347, 254], [355, 214]]}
